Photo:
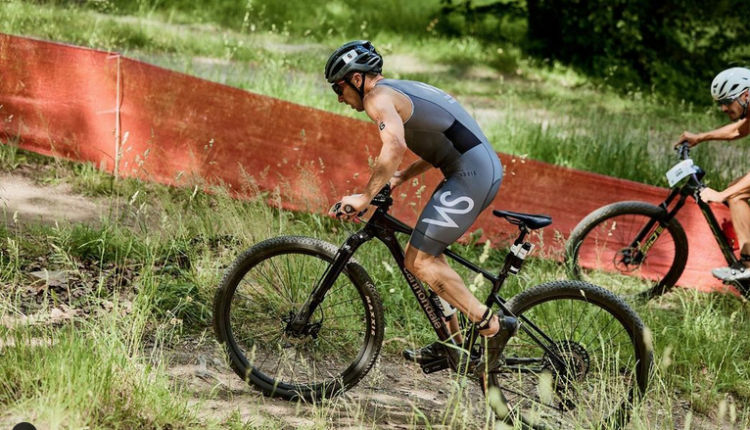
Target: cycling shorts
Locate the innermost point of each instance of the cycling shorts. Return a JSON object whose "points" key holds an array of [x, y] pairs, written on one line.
{"points": [[471, 183]]}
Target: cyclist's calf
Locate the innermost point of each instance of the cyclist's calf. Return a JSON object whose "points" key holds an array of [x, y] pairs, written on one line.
{"points": [[444, 281], [429, 269]]}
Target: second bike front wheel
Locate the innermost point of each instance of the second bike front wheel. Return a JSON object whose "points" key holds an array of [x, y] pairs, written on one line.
{"points": [[605, 242], [262, 293]]}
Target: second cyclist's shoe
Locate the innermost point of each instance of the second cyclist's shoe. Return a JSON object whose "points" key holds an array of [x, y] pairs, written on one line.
{"points": [[730, 274], [426, 354]]}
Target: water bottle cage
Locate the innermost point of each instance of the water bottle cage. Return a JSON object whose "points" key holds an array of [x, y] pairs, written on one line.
{"points": [[515, 264], [518, 255]]}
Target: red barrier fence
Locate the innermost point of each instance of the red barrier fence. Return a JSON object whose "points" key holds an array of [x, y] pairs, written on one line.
{"points": [[138, 120]]}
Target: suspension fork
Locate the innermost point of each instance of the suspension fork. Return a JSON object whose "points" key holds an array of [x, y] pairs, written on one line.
{"points": [[663, 221], [326, 281]]}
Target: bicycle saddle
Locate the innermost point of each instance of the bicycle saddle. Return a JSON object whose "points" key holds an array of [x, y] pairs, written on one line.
{"points": [[531, 221]]}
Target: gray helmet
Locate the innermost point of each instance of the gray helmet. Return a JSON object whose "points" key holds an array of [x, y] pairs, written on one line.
{"points": [[356, 56]]}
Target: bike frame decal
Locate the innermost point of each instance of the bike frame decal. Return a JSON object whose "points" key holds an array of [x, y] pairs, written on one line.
{"points": [[444, 211], [421, 294], [651, 240]]}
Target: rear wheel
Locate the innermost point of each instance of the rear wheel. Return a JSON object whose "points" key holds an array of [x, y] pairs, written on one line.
{"points": [[605, 241], [262, 293], [581, 360]]}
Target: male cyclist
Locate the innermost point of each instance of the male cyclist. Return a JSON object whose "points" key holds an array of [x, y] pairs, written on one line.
{"points": [[419, 117], [730, 90]]}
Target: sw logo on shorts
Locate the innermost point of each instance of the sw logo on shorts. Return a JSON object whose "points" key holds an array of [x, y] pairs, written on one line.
{"points": [[444, 211]]}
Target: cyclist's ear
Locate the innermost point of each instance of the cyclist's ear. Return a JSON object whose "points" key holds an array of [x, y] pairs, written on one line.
{"points": [[357, 78]]}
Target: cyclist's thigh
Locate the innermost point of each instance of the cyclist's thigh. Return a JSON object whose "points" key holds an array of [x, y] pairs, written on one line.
{"points": [[458, 201]]}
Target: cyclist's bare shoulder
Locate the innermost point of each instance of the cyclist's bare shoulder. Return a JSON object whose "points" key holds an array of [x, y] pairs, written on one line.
{"points": [[382, 97]]}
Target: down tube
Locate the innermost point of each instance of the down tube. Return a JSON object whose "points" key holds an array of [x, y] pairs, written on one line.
{"points": [[718, 234]]}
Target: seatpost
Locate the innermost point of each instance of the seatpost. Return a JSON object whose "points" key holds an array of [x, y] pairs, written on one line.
{"points": [[522, 236]]}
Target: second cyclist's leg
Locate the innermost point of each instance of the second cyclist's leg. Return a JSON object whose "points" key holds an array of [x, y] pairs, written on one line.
{"points": [[740, 210]]}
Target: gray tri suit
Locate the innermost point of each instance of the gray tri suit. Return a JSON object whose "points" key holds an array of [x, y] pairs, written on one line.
{"points": [[441, 132]]}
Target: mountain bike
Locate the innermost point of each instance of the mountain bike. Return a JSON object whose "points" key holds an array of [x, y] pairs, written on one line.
{"points": [[642, 239], [301, 319]]}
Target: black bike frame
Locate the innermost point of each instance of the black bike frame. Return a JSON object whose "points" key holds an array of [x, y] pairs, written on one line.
{"points": [[689, 189], [384, 227]]}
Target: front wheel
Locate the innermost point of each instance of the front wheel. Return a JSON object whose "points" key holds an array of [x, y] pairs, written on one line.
{"points": [[619, 238], [260, 296], [581, 360]]}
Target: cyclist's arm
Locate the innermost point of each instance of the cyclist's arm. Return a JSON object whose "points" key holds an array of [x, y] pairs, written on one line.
{"points": [[735, 130], [739, 187], [381, 109], [415, 169]]}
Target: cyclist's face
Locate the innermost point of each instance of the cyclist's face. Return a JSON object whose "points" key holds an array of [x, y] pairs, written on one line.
{"points": [[349, 96], [734, 109]]}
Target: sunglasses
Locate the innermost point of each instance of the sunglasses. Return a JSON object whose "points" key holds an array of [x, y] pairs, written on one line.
{"points": [[726, 102], [338, 87]]}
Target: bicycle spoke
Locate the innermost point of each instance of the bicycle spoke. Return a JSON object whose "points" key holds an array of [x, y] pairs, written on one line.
{"points": [[281, 279], [331, 345], [584, 376], [591, 325]]}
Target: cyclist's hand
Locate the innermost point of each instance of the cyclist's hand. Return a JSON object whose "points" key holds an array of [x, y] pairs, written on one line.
{"points": [[709, 195], [690, 138], [355, 204]]}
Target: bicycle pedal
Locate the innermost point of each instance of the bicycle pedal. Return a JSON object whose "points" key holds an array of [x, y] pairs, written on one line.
{"points": [[436, 366]]}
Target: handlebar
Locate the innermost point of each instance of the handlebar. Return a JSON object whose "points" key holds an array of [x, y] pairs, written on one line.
{"points": [[684, 150], [382, 197]]}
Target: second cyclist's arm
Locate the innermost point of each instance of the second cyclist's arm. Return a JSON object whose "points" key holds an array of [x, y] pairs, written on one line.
{"points": [[740, 187], [735, 130], [382, 110]]}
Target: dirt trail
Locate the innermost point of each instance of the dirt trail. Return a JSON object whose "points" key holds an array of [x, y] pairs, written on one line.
{"points": [[23, 200], [394, 395]]}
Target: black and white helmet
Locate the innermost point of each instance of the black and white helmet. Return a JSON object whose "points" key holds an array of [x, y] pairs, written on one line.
{"points": [[356, 56], [729, 84]]}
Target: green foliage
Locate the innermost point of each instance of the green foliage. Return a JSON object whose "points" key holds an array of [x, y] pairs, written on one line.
{"points": [[320, 20], [672, 47]]}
